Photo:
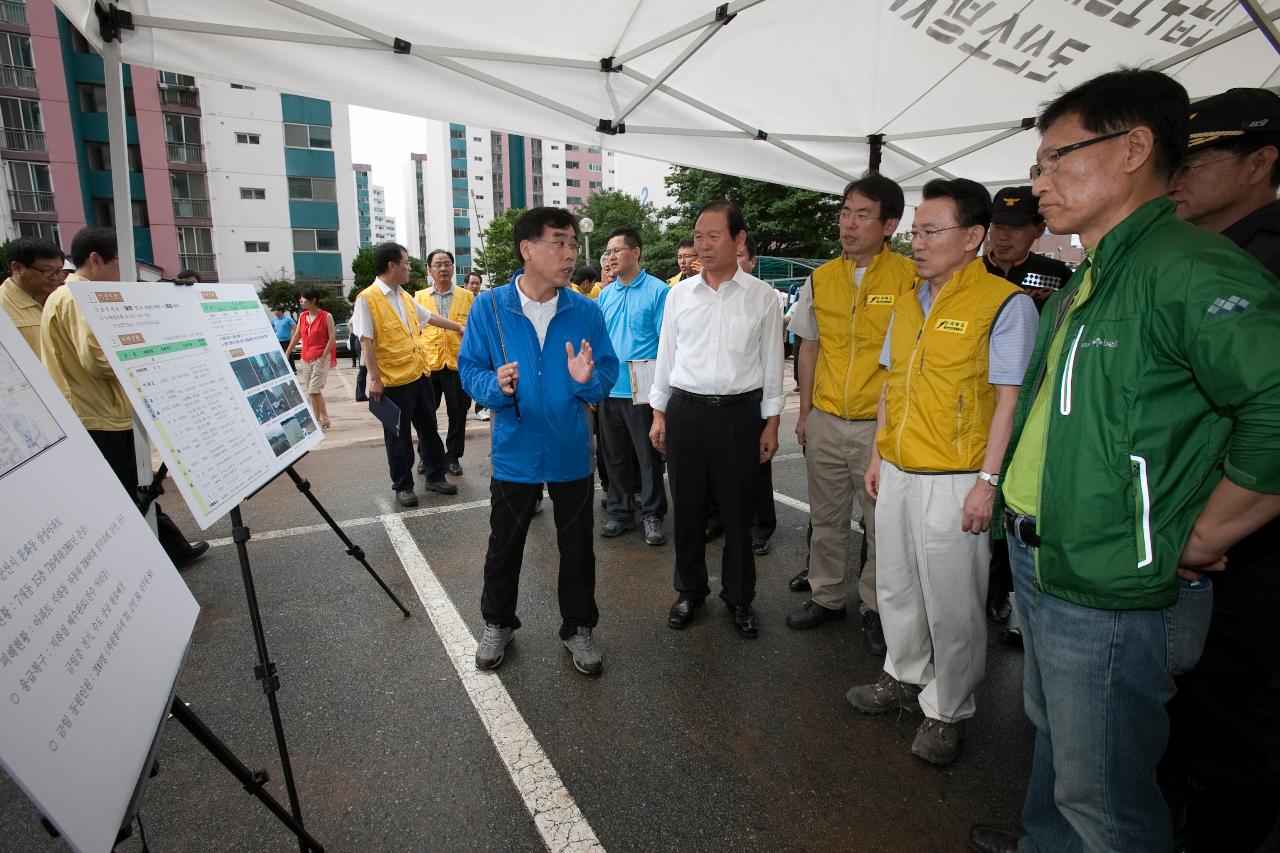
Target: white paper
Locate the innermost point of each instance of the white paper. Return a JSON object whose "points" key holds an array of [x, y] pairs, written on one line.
{"points": [[206, 376], [94, 619], [641, 379]]}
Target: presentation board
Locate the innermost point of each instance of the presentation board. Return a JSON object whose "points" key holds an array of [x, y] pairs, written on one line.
{"points": [[94, 619], [206, 376]]}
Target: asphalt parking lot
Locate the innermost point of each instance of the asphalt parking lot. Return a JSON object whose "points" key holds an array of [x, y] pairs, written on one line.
{"points": [[697, 740]]}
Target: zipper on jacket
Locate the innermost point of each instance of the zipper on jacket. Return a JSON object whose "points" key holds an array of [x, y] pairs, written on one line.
{"points": [[1142, 507], [1068, 375], [959, 423]]}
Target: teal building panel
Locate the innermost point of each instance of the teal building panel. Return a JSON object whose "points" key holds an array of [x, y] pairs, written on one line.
{"points": [[299, 110], [313, 214], [308, 163]]}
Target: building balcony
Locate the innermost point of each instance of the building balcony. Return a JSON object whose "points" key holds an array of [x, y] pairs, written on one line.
{"points": [[17, 77], [191, 208], [182, 96], [13, 12], [24, 140], [182, 152], [28, 202], [198, 263]]}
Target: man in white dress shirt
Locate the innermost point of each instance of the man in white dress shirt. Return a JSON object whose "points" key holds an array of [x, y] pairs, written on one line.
{"points": [[718, 375]]}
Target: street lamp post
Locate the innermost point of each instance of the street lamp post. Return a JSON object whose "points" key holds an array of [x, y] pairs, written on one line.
{"points": [[587, 227]]}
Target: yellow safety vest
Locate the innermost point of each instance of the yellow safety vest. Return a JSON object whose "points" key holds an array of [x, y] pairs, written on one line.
{"points": [[852, 323], [442, 345], [401, 356], [938, 401]]}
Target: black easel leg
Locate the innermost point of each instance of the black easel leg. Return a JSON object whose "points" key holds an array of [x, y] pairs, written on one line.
{"points": [[253, 780], [352, 548], [265, 671]]}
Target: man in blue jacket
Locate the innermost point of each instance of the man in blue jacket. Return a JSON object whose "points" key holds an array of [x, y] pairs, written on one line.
{"points": [[535, 353]]}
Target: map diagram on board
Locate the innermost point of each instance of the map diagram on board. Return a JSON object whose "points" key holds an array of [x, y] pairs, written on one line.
{"points": [[27, 427]]}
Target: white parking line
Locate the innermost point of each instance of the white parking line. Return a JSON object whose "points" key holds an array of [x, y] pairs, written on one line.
{"points": [[557, 817], [356, 522]]}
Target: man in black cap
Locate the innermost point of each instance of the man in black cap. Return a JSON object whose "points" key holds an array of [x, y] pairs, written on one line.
{"points": [[1016, 224], [1223, 761]]}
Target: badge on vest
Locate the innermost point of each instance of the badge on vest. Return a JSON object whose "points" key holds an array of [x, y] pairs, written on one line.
{"points": [[880, 299], [957, 327]]}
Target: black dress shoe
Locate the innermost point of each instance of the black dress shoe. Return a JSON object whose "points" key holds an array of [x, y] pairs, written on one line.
{"points": [[441, 486], [454, 468], [999, 610], [760, 547], [682, 611], [193, 552], [714, 531], [873, 636], [799, 583], [745, 621], [988, 839], [1011, 637], [811, 614]]}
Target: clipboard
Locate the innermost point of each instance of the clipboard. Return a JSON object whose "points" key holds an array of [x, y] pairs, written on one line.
{"points": [[387, 412], [641, 371]]}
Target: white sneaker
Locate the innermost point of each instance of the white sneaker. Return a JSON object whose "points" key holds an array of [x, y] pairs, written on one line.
{"points": [[483, 416], [492, 647]]}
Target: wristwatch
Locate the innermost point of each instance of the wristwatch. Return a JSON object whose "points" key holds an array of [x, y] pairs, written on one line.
{"points": [[993, 479]]}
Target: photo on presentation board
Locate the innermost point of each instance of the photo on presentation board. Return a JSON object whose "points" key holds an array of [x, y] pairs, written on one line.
{"points": [[27, 428]]}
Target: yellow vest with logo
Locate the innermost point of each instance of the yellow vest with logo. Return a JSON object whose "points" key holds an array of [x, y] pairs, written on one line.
{"points": [[852, 323], [442, 345], [938, 402], [400, 354]]}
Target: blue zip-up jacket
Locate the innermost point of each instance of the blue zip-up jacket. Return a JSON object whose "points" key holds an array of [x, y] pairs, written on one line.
{"points": [[551, 443]]}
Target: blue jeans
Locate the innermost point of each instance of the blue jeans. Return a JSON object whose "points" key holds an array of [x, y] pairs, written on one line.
{"points": [[1095, 684]]}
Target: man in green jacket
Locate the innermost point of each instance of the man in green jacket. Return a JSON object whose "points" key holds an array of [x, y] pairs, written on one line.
{"points": [[1146, 442]]}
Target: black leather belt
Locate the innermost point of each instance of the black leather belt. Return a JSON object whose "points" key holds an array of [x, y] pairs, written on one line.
{"points": [[1022, 527], [716, 400]]}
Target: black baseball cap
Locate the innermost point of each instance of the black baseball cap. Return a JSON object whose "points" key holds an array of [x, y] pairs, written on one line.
{"points": [[1232, 114], [1014, 206]]}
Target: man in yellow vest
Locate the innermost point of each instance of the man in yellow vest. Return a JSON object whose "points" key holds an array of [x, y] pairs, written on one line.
{"points": [[35, 272], [957, 348], [390, 325], [445, 299], [841, 319], [586, 280], [79, 367], [687, 260]]}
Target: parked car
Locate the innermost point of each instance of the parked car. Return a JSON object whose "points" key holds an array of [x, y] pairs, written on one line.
{"points": [[343, 332]]}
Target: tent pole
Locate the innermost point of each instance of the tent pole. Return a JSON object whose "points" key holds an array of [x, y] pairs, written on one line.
{"points": [[1210, 44], [1264, 22], [876, 142], [671, 68], [118, 136], [730, 9], [902, 152]]}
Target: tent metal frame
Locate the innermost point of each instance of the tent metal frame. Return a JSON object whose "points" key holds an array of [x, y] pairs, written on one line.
{"points": [[703, 27]]}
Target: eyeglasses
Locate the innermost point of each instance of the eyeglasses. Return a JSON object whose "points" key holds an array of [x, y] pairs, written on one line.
{"points": [[50, 272], [562, 245], [862, 216], [1053, 155], [613, 253], [442, 264], [1186, 170], [924, 235]]}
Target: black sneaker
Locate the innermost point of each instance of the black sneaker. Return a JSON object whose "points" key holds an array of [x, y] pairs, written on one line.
{"points": [[811, 614], [873, 635], [441, 486], [616, 527]]}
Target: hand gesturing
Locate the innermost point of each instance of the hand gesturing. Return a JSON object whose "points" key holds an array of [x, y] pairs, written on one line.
{"points": [[581, 365]]}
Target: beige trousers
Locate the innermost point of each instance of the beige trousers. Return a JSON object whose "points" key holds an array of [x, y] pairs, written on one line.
{"points": [[836, 452], [932, 589]]}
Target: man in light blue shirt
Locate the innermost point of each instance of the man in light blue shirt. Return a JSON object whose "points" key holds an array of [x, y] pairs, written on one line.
{"points": [[632, 308], [283, 324]]}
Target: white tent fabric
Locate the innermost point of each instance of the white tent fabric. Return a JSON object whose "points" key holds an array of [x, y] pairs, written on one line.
{"points": [[780, 90]]}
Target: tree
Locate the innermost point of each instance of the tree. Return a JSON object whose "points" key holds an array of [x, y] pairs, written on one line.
{"points": [[283, 292], [362, 269], [901, 243], [497, 259], [786, 221], [611, 209]]}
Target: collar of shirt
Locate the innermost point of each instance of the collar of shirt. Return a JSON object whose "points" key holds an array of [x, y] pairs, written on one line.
{"points": [[738, 274], [384, 287], [1265, 218]]}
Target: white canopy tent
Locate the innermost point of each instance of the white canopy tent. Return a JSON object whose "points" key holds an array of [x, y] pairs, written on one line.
{"points": [[802, 92]]}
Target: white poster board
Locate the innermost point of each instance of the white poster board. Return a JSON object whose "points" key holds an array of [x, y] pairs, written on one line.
{"points": [[206, 376], [94, 619]]}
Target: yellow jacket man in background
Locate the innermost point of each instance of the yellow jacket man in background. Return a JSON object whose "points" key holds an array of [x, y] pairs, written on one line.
{"points": [[446, 299]]}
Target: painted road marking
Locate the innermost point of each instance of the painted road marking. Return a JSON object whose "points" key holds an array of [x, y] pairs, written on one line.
{"points": [[557, 817]]}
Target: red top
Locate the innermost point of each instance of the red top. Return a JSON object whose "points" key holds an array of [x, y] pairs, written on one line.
{"points": [[314, 335]]}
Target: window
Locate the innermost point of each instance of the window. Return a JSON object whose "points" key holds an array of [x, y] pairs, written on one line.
{"points": [[572, 164], [253, 193], [594, 185], [593, 150], [555, 165], [15, 50], [182, 129], [27, 177], [79, 43], [313, 189], [98, 155], [308, 136], [479, 177], [169, 78], [243, 86], [462, 232], [555, 147], [43, 230], [248, 139], [195, 241], [460, 212], [104, 213], [555, 183], [93, 98], [593, 167], [20, 114], [479, 198], [308, 240], [478, 158], [570, 147], [572, 182], [476, 139], [573, 199], [252, 246], [457, 133]]}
